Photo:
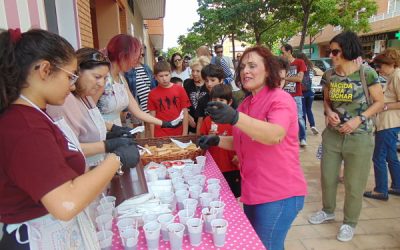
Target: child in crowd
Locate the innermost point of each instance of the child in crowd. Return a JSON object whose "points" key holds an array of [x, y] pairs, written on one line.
{"points": [[212, 75], [226, 160], [177, 80], [167, 101]]}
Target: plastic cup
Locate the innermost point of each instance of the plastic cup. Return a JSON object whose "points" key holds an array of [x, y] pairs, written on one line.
{"points": [[175, 233], [193, 182], [128, 235], [175, 175], [162, 172], [202, 179], [108, 199], [171, 171], [208, 217], [149, 218], [181, 186], [205, 199], [165, 220], [151, 175], [125, 224], [177, 180], [105, 208], [180, 196], [131, 243], [105, 239], [184, 215], [213, 181], [190, 204], [188, 169], [219, 228], [195, 228], [168, 198], [218, 206], [195, 191], [197, 169], [214, 189], [187, 176], [152, 234], [201, 160], [104, 222]]}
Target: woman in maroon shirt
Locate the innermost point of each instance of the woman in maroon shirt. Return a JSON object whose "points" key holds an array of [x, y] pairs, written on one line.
{"points": [[42, 179]]}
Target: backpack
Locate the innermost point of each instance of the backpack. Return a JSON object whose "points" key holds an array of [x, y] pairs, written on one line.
{"points": [[307, 82]]}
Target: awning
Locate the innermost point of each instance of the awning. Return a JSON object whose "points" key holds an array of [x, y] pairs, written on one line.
{"points": [[152, 9]]}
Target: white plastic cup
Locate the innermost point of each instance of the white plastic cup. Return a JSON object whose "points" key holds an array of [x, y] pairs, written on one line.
{"points": [[105, 208], [151, 175], [149, 218], [165, 220], [168, 198], [104, 222], [195, 228], [184, 215], [202, 179], [125, 224], [129, 234], [177, 180], [213, 181], [181, 186], [205, 199], [193, 182], [208, 217], [190, 204], [105, 239], [187, 176], [215, 190], [188, 169], [175, 233], [108, 199], [152, 234], [219, 228], [195, 191], [162, 172], [197, 169], [131, 243], [218, 206], [176, 174], [180, 196], [201, 160]]}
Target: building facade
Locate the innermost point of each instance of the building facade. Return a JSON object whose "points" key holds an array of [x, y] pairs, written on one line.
{"points": [[384, 25], [90, 23]]}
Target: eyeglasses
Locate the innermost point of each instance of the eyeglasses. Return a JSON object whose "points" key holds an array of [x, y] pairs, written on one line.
{"points": [[177, 60], [334, 52], [72, 77]]}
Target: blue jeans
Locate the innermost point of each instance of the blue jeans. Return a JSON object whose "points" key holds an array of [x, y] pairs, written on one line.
{"points": [[386, 152], [302, 124], [272, 220], [308, 98]]}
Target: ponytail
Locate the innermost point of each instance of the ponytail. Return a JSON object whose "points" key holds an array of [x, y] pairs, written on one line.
{"points": [[18, 54]]}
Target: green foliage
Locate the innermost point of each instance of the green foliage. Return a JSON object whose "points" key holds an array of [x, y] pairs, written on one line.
{"points": [[171, 51]]}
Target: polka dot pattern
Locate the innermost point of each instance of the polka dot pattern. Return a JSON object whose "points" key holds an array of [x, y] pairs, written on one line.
{"points": [[240, 235]]}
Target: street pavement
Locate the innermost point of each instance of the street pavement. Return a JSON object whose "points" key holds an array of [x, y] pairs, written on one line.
{"points": [[379, 224]]}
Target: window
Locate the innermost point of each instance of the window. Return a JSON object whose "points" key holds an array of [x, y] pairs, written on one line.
{"points": [[394, 6]]}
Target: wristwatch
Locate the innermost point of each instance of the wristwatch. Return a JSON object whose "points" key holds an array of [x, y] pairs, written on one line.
{"points": [[363, 119], [385, 107]]}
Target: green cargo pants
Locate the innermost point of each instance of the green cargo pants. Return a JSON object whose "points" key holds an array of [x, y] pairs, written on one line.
{"points": [[356, 152]]}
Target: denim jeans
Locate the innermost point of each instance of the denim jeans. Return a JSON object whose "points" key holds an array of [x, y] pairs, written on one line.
{"points": [[386, 152], [302, 124], [308, 98], [272, 220]]}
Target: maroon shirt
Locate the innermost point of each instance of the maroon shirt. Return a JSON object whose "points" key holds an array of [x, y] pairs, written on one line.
{"points": [[294, 88], [35, 158]]}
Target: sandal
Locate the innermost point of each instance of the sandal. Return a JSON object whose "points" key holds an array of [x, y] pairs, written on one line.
{"points": [[377, 196], [394, 192]]}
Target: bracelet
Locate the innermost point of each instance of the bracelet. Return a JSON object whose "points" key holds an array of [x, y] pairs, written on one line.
{"points": [[119, 170]]}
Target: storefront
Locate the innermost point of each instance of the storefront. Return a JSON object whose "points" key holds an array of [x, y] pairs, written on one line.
{"points": [[377, 43]]}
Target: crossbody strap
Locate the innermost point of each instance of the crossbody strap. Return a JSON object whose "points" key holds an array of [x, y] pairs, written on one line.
{"points": [[364, 84]]}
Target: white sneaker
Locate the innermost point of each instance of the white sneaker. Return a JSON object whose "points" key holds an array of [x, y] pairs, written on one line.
{"points": [[303, 143], [320, 217], [346, 233], [314, 130]]}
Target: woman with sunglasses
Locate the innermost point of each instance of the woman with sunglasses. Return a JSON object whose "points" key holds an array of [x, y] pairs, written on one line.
{"points": [[84, 118], [348, 136], [387, 128], [123, 51], [44, 189], [178, 69]]}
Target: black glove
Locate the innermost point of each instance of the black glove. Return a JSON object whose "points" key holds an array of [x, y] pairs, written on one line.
{"points": [[205, 141], [118, 131], [129, 156], [169, 124], [222, 113], [112, 144]]}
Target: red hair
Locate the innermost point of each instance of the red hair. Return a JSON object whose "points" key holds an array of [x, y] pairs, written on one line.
{"points": [[124, 48]]}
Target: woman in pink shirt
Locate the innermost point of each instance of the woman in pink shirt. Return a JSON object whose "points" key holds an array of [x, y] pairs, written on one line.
{"points": [[265, 137]]}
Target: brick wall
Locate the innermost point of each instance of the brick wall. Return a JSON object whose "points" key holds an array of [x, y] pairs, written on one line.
{"points": [[85, 23]]}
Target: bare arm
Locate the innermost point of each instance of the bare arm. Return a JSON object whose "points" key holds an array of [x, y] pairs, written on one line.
{"points": [[152, 113], [185, 122], [226, 142], [66, 201], [376, 94], [199, 123], [296, 78], [93, 148]]}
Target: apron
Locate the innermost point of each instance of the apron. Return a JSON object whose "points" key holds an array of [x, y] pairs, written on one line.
{"points": [[48, 233], [119, 97], [99, 122]]}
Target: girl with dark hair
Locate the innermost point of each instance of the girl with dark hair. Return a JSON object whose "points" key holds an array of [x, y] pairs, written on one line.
{"points": [[348, 136], [178, 68], [265, 138], [308, 94], [43, 184], [387, 128], [123, 52], [84, 118]]}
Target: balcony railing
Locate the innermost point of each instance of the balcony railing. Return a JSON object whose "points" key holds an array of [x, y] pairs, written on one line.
{"points": [[384, 16]]}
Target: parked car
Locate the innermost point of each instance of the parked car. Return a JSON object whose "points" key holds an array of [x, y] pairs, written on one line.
{"points": [[323, 63], [316, 86]]}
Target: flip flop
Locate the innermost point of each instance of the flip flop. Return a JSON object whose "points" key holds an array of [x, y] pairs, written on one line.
{"points": [[376, 196], [394, 192]]}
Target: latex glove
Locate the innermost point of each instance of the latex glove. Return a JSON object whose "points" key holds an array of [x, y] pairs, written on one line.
{"points": [[171, 124], [222, 113], [129, 156], [205, 141], [112, 144], [118, 131]]}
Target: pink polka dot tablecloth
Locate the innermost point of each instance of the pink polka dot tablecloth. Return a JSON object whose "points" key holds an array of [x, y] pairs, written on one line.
{"points": [[240, 234]]}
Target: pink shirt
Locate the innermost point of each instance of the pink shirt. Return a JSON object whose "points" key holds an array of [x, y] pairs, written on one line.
{"points": [[270, 172]]}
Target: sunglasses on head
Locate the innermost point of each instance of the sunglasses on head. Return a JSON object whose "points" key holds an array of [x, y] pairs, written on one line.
{"points": [[334, 52], [97, 58]]}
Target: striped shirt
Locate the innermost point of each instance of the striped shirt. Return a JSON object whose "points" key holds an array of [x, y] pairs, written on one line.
{"points": [[142, 87]]}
